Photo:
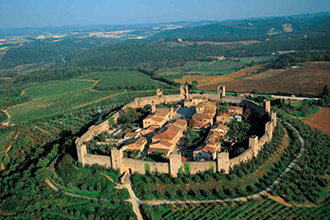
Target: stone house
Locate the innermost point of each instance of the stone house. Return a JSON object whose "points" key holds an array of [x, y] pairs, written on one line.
{"points": [[167, 140], [235, 110], [181, 123], [193, 101], [208, 150], [205, 113], [223, 118], [139, 144], [221, 129], [130, 135], [159, 118]]}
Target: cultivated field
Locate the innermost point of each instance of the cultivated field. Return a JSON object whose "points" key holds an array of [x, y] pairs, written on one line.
{"points": [[124, 80], [95, 89], [320, 120], [204, 81], [37, 90], [308, 79], [214, 67], [254, 209]]}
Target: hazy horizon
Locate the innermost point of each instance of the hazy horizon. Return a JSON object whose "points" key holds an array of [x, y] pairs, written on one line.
{"points": [[18, 13]]}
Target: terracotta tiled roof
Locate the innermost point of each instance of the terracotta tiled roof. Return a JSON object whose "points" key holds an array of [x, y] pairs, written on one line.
{"points": [[160, 144], [180, 122], [130, 134], [169, 133], [225, 114], [162, 112], [202, 116], [141, 141], [223, 127], [235, 108]]}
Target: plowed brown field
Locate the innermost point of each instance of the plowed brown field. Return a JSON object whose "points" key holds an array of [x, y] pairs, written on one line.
{"points": [[309, 79], [320, 120], [210, 80]]}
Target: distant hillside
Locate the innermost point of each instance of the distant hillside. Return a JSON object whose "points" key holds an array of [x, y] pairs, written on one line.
{"points": [[253, 28]]}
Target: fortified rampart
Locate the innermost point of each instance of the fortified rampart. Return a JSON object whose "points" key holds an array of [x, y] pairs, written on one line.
{"points": [[117, 161], [196, 167]]}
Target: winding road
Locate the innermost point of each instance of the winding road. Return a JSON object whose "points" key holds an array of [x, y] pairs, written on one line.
{"points": [[136, 202], [255, 196]]}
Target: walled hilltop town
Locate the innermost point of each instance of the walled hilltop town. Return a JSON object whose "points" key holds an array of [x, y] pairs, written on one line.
{"points": [[164, 128]]}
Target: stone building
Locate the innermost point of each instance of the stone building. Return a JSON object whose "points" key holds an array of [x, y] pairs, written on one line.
{"points": [[223, 118], [159, 117], [205, 113], [138, 144], [208, 150], [167, 140], [235, 110], [220, 128]]}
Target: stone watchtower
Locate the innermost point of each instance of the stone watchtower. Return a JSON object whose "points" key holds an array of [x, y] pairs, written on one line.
{"points": [[267, 106], [117, 159], [175, 163], [269, 131], [223, 164], [253, 144], [221, 91], [81, 152], [159, 92], [273, 118], [184, 92], [153, 107]]}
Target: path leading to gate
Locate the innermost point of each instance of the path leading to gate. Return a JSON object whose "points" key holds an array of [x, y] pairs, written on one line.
{"points": [[255, 196], [133, 199]]}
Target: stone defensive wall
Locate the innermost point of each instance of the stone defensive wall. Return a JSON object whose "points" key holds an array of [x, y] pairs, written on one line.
{"points": [[196, 167], [117, 161], [140, 166]]}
